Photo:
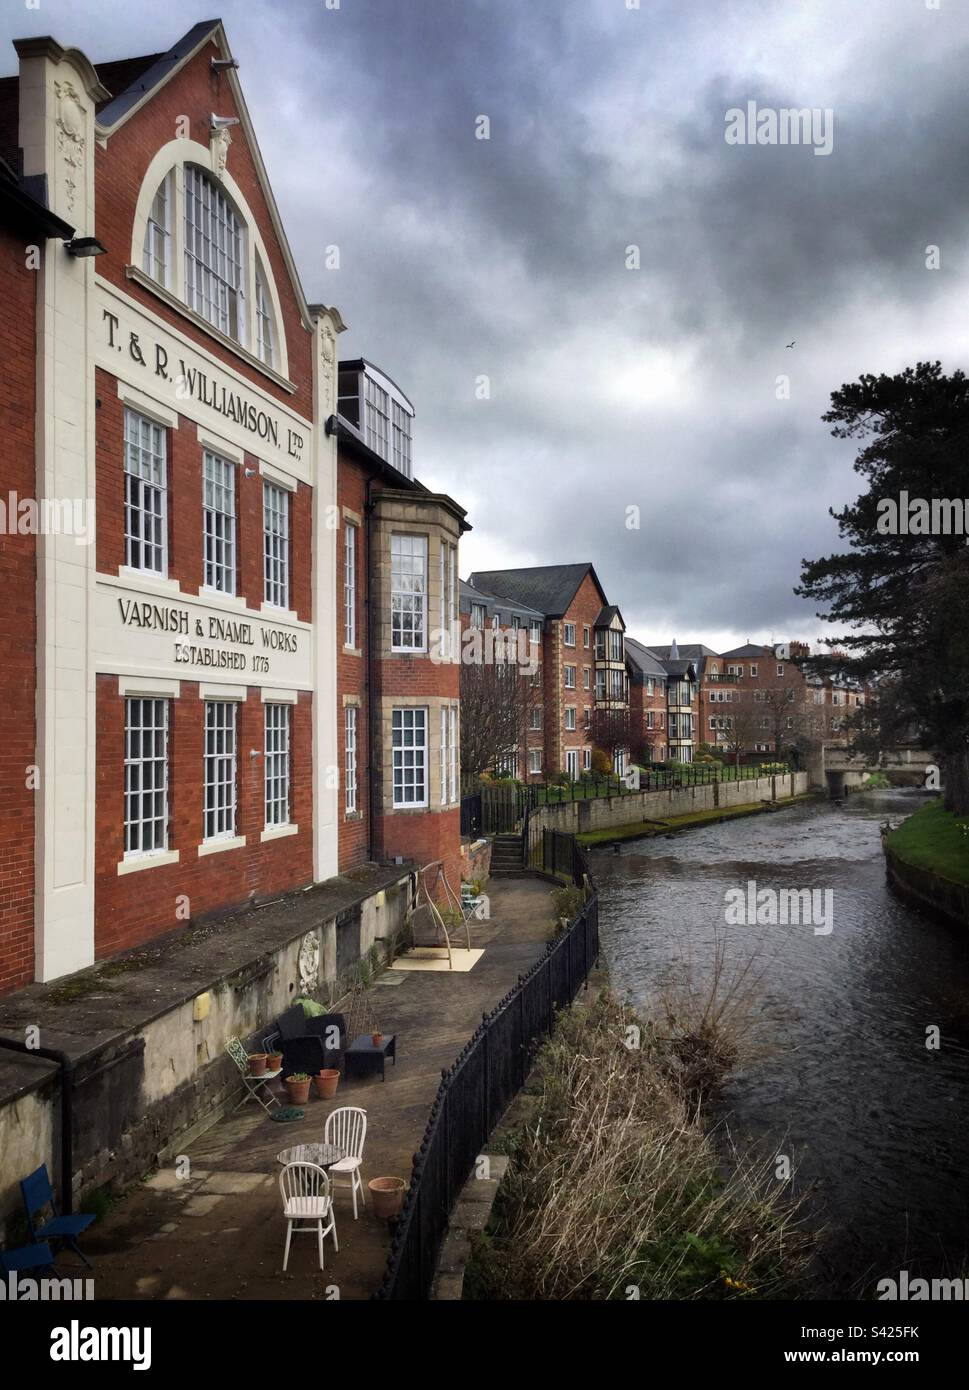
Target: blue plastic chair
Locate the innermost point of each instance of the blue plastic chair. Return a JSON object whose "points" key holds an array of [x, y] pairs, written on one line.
{"points": [[37, 1194], [27, 1257]]}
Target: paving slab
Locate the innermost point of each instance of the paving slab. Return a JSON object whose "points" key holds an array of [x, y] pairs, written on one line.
{"points": [[233, 1247]]}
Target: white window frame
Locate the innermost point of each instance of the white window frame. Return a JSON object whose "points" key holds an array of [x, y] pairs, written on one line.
{"points": [[220, 770], [408, 592], [156, 256], [570, 713], [534, 760], [409, 730], [479, 615], [572, 762], [350, 584], [586, 759], [276, 764], [265, 327], [215, 254], [448, 564], [570, 678], [568, 636], [146, 718], [218, 523], [350, 729], [145, 493], [449, 755], [275, 544], [536, 718], [586, 678], [534, 634]]}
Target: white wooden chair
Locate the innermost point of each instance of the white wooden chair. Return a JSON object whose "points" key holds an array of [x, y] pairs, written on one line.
{"points": [[346, 1129], [305, 1190]]}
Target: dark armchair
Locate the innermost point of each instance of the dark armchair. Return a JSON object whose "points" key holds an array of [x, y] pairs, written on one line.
{"points": [[309, 1044]]}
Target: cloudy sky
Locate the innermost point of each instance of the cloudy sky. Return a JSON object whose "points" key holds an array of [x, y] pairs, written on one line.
{"points": [[506, 258]]}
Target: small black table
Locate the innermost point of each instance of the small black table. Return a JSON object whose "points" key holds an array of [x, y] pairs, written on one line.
{"points": [[363, 1056]]}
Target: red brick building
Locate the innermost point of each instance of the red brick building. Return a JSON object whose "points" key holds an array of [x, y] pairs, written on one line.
{"points": [[582, 659], [198, 743]]}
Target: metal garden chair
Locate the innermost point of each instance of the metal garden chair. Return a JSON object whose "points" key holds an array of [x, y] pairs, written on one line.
{"points": [[253, 1084], [305, 1190], [38, 1194], [346, 1129]]}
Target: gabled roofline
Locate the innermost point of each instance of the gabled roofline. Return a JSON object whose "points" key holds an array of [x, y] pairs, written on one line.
{"points": [[131, 101]]}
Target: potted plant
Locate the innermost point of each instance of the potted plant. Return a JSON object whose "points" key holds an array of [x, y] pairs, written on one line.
{"points": [[387, 1196], [298, 1088], [274, 1061], [326, 1082], [257, 1063]]}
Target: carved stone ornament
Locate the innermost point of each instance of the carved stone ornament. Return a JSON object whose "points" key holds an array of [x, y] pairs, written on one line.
{"points": [[309, 963], [219, 142], [70, 138], [327, 352]]}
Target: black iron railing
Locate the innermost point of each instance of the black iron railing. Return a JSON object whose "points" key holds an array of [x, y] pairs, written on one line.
{"points": [[475, 1092]]}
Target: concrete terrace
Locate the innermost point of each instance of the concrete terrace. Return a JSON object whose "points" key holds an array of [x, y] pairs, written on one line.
{"points": [[219, 1233]]}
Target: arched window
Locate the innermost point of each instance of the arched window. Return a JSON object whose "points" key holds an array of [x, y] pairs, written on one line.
{"points": [[214, 254], [197, 243], [156, 258], [265, 344]]}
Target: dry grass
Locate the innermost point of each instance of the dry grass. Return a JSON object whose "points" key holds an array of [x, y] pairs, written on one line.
{"points": [[614, 1185]]}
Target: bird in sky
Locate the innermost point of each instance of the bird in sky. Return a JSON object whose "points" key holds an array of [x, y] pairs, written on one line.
{"points": [[790, 345]]}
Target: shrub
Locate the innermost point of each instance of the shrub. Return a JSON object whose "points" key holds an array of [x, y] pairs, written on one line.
{"points": [[601, 762]]}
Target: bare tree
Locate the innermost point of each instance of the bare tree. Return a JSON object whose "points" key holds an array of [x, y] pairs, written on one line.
{"points": [[496, 699]]}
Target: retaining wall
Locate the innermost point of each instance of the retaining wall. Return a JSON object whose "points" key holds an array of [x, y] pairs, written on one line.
{"points": [[613, 812]]}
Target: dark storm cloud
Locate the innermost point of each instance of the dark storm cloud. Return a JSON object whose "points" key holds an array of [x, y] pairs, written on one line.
{"points": [[612, 388]]}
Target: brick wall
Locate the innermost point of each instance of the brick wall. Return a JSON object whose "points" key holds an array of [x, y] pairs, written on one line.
{"points": [[185, 509], [133, 908], [194, 93], [18, 618]]}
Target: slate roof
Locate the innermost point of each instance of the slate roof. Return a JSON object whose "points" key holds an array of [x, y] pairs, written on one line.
{"points": [[643, 660], [493, 603], [693, 651], [549, 588], [749, 649], [606, 615]]}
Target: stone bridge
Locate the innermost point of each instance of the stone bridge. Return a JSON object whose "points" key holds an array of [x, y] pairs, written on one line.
{"points": [[837, 771]]}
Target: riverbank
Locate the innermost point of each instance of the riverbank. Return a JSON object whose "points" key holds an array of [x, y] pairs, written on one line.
{"points": [[927, 860], [600, 839], [615, 1188]]}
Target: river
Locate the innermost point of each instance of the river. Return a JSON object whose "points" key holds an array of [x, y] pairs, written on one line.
{"points": [[841, 1078]]}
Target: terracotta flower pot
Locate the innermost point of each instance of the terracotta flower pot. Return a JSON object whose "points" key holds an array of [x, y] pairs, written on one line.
{"points": [[326, 1083], [274, 1061], [376, 1039], [257, 1063], [297, 1091], [387, 1196]]}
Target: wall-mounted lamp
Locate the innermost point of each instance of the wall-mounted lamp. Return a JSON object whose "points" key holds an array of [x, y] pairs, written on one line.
{"points": [[250, 472], [222, 122], [254, 752], [220, 64], [85, 246]]}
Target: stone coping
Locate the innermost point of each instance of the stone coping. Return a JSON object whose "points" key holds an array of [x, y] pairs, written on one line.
{"points": [[82, 1013]]}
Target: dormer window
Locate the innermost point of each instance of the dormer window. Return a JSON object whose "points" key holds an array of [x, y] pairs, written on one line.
{"points": [[213, 254], [265, 347], [156, 259]]}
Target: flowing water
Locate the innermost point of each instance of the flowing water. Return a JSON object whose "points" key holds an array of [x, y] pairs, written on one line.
{"points": [[841, 1079]]}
